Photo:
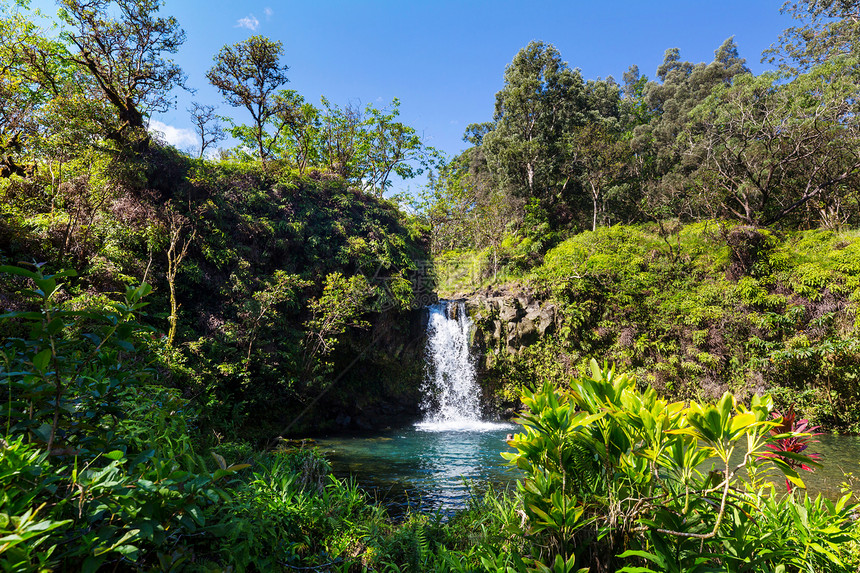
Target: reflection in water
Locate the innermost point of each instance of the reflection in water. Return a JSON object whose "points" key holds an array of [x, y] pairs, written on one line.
{"points": [[433, 470], [839, 455], [424, 470]]}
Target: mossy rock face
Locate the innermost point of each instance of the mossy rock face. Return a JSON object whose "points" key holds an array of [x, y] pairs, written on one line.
{"points": [[510, 310], [509, 319], [725, 308]]}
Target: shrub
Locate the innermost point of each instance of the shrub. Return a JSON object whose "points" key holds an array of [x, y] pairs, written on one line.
{"points": [[616, 479]]}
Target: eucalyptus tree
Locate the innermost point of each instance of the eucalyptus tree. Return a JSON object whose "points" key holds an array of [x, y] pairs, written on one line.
{"points": [[662, 151], [249, 74], [597, 157], [775, 150], [826, 29], [541, 100], [681, 87]]}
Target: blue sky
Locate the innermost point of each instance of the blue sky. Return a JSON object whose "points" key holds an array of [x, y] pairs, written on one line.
{"points": [[445, 59]]}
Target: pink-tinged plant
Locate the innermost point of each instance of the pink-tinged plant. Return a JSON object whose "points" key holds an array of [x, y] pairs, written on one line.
{"points": [[791, 439]]}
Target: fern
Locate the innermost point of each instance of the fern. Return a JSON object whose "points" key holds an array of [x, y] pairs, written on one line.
{"points": [[585, 469]]}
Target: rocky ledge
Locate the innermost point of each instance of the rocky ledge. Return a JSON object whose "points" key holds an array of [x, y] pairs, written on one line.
{"points": [[508, 318]]}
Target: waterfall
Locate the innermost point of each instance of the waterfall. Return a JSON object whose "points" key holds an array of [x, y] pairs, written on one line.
{"points": [[452, 395]]}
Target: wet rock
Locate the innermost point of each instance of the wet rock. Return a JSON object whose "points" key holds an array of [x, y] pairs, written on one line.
{"points": [[453, 310]]}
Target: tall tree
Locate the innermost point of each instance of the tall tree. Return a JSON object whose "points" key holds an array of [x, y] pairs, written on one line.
{"points": [[301, 134], [35, 72], [596, 156], [541, 100], [19, 99], [663, 157], [248, 74], [122, 45], [466, 209], [393, 149], [770, 148], [826, 29], [342, 138]]}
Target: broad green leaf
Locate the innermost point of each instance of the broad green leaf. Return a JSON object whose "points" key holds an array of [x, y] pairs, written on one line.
{"points": [[42, 359], [55, 326], [742, 421], [12, 270]]}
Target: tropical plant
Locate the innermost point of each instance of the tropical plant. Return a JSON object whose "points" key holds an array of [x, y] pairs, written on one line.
{"points": [[91, 471], [617, 479], [791, 437]]}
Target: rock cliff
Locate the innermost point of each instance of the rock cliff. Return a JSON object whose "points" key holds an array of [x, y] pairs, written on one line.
{"points": [[508, 319]]}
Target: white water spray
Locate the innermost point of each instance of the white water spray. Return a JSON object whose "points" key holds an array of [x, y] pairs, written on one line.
{"points": [[452, 394]]}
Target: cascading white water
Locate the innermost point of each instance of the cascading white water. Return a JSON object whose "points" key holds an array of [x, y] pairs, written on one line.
{"points": [[452, 394]]}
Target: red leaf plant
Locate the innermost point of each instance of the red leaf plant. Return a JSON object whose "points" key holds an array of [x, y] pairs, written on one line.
{"points": [[798, 440]]}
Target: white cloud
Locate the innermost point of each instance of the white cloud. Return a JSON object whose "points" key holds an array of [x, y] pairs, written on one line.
{"points": [[250, 21], [177, 137], [268, 12]]}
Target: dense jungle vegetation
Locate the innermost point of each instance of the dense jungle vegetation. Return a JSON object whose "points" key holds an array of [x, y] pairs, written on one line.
{"points": [[169, 317]]}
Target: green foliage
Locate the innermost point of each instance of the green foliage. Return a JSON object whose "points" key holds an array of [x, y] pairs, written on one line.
{"points": [[808, 154], [708, 309], [120, 50], [617, 476], [260, 245], [247, 74], [55, 381], [96, 467], [22, 529]]}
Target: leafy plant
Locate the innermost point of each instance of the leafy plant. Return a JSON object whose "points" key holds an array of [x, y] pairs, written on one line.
{"points": [[791, 437], [616, 476], [92, 472]]}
